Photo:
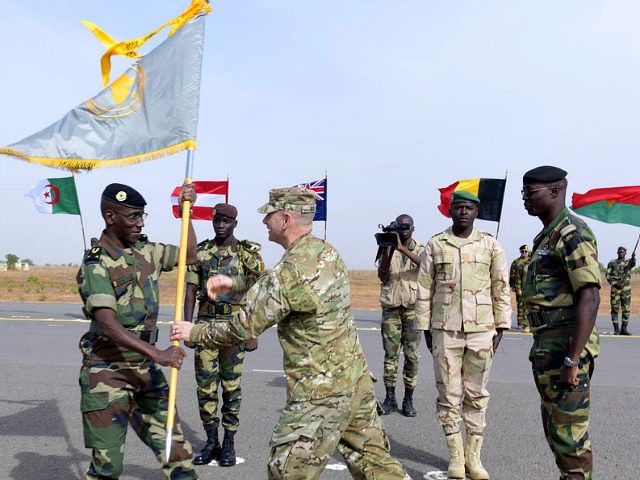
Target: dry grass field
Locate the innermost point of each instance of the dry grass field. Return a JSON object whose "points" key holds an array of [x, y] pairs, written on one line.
{"points": [[57, 284]]}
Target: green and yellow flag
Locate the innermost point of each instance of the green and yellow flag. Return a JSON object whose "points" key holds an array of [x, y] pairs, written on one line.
{"points": [[149, 112]]}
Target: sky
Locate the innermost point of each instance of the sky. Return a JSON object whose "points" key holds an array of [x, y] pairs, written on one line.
{"points": [[392, 99]]}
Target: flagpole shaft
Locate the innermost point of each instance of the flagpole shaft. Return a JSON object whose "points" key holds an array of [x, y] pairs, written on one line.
{"points": [[179, 304]]}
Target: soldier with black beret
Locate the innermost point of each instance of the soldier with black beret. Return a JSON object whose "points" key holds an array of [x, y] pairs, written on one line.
{"points": [[120, 379], [561, 295]]}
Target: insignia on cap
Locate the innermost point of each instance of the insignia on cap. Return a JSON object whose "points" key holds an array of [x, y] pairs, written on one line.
{"points": [[121, 196]]}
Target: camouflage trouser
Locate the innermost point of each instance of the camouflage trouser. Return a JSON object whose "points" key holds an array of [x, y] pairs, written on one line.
{"points": [[565, 410], [523, 321], [461, 363], [308, 433], [215, 367], [620, 300], [112, 397], [397, 331]]}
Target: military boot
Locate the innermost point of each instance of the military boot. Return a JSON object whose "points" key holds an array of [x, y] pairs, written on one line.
{"points": [[472, 458], [407, 403], [456, 456], [211, 450], [228, 455], [616, 328], [623, 330], [390, 404]]}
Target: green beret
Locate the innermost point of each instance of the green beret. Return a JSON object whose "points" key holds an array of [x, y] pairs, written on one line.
{"points": [[544, 174], [225, 210], [460, 196], [293, 199], [124, 195]]}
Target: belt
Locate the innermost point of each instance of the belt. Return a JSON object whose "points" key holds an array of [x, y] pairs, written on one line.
{"points": [[544, 317], [217, 308], [149, 336]]}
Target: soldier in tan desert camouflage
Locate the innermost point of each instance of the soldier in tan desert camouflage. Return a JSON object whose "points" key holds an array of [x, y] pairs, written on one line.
{"points": [[463, 305]]}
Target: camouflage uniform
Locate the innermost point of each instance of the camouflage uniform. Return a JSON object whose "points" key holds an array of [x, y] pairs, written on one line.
{"points": [[330, 400], [397, 299], [120, 386], [620, 297], [463, 296], [565, 259], [215, 366], [516, 279]]}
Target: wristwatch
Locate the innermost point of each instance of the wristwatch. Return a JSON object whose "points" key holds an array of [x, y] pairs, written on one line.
{"points": [[570, 363]]}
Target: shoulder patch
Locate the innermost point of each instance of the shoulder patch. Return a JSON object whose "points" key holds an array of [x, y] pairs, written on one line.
{"points": [[567, 230], [249, 245], [93, 255]]}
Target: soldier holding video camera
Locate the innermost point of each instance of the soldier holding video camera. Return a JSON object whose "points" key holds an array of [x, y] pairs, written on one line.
{"points": [[398, 260]]}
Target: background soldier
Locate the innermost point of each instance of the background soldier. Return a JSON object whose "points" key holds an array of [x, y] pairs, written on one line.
{"points": [[463, 305], [398, 272], [516, 280], [237, 259], [330, 399], [562, 297], [120, 380], [618, 275]]}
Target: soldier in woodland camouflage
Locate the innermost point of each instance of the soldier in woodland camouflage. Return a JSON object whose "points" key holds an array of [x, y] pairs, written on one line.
{"points": [[562, 297], [516, 280], [120, 380], [618, 275], [237, 259], [463, 306], [330, 399], [397, 272]]}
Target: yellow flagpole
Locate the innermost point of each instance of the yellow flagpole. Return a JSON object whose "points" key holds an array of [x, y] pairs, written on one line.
{"points": [[177, 315]]}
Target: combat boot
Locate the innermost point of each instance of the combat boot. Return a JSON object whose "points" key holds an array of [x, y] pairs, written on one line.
{"points": [[211, 450], [472, 458], [623, 330], [456, 456], [390, 404], [616, 328], [228, 455], [407, 403]]}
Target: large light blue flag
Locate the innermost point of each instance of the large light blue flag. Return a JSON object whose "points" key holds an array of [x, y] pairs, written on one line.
{"points": [[150, 111]]}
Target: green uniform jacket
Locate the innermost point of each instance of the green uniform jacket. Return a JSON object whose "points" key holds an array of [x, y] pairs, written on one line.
{"points": [[615, 273], [126, 282], [565, 259], [307, 294]]}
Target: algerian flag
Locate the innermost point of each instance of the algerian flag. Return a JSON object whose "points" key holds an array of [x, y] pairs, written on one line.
{"points": [[55, 195]]}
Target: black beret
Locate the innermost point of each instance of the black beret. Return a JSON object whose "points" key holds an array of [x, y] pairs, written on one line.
{"points": [[226, 210], [123, 195], [544, 174]]}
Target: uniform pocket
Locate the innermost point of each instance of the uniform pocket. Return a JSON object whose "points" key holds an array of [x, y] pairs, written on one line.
{"points": [[294, 432], [92, 402]]}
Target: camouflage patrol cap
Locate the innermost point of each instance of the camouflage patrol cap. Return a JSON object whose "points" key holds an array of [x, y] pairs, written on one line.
{"points": [[292, 199], [124, 195], [544, 174], [523, 247], [461, 196], [225, 210]]}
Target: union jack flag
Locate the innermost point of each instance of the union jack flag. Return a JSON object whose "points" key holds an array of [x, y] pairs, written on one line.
{"points": [[320, 189]]}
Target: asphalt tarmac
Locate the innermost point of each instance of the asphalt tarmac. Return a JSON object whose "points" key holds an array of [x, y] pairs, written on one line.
{"points": [[41, 431]]}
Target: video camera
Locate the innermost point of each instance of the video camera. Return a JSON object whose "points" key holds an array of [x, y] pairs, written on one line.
{"points": [[388, 237]]}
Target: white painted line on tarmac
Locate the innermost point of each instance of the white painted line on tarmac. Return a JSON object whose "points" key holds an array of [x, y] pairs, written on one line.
{"points": [[335, 466], [268, 371], [435, 475]]}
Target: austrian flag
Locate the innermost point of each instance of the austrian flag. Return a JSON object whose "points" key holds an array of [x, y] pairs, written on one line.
{"points": [[209, 194]]}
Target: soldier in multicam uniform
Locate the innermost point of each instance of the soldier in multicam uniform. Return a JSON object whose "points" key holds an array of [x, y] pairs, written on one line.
{"points": [[463, 305], [516, 279], [618, 275], [330, 398], [237, 259], [120, 380], [398, 271], [562, 297]]}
